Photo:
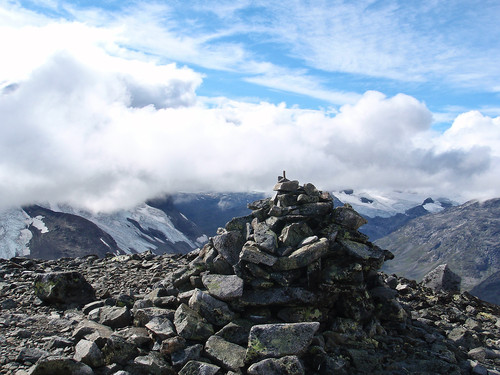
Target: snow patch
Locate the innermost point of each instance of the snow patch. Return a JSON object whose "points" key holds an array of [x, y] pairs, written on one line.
{"points": [[38, 223], [433, 207], [105, 243]]}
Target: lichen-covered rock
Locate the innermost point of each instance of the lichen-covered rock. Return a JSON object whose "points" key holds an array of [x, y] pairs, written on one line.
{"points": [[293, 233], [228, 355], [119, 350], [279, 340], [190, 325], [289, 365], [64, 288], [229, 245], [214, 310], [223, 287]]}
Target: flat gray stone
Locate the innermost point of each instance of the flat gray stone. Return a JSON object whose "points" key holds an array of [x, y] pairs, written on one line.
{"points": [[114, 317], [228, 355], [252, 254], [223, 287], [161, 327], [303, 256]]}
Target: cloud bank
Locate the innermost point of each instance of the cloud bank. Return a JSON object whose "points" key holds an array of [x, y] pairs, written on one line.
{"points": [[87, 122]]}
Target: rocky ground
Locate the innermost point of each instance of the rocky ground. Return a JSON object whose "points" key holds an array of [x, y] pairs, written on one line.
{"points": [[291, 289]]}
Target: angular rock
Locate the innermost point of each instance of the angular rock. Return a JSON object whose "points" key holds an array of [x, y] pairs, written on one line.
{"points": [[119, 350], [161, 327], [251, 253], [31, 355], [223, 287], [348, 217], [59, 365], [372, 256], [287, 186], [236, 332], [172, 344], [181, 357], [190, 325], [279, 340], [63, 288], [89, 353], [92, 331], [294, 233], [289, 365], [137, 335], [228, 355], [229, 245], [114, 317], [265, 238], [212, 309], [151, 364], [312, 209], [199, 368], [303, 257], [299, 314], [442, 278]]}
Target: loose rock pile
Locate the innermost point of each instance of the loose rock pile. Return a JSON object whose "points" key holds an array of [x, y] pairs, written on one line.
{"points": [[292, 288]]}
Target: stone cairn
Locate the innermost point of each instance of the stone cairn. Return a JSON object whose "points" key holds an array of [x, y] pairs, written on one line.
{"points": [[269, 282], [292, 288]]}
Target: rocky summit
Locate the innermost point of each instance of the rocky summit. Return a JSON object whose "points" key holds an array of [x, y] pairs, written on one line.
{"points": [[292, 288]]}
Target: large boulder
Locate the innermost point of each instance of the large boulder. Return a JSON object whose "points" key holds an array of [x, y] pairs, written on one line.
{"points": [[63, 288], [442, 278]]}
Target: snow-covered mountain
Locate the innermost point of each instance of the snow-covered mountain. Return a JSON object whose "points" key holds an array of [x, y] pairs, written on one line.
{"points": [[47, 231], [388, 212], [372, 204]]}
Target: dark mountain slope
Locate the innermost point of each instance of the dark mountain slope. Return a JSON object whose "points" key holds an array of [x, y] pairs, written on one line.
{"points": [[466, 237], [66, 235]]}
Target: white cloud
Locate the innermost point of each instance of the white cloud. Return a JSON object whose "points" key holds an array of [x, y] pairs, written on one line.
{"points": [[92, 123]]}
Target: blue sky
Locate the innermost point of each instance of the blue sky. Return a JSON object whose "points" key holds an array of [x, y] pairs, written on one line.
{"points": [[409, 90]]}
